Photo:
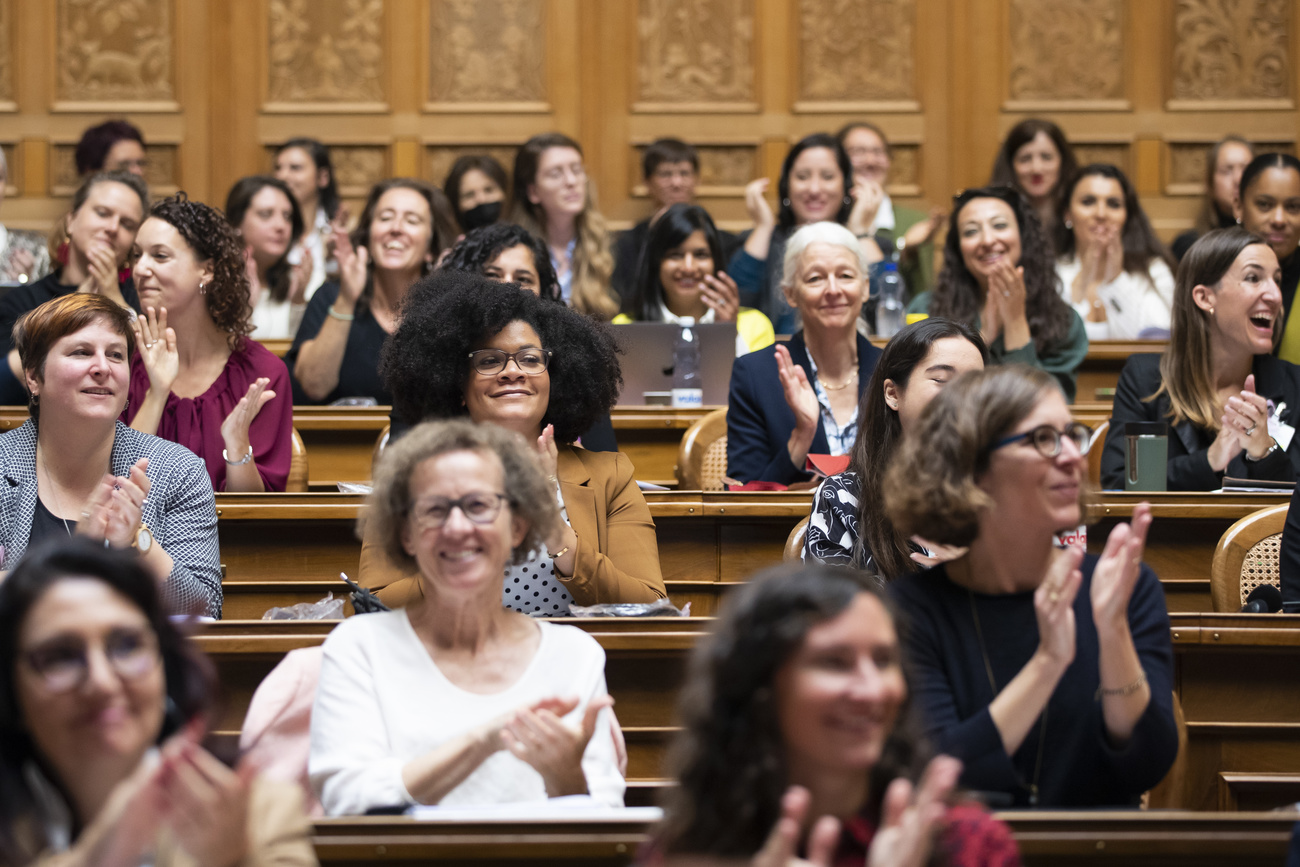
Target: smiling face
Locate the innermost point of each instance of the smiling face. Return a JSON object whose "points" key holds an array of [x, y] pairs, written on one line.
{"points": [[476, 188], [401, 231], [1231, 162], [85, 375], [672, 183], [515, 265], [461, 559], [103, 726], [1038, 166], [298, 170], [109, 217], [988, 234], [1037, 494], [510, 398], [838, 697], [167, 273], [869, 155], [267, 226], [560, 188], [948, 358], [682, 274], [1097, 210], [1272, 209], [829, 287], [816, 187], [1247, 302]]}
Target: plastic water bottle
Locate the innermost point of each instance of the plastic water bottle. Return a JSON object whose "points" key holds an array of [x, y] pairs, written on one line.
{"points": [[687, 391], [890, 314]]}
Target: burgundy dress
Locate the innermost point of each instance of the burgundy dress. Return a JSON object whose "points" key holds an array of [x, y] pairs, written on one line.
{"points": [[196, 422]]}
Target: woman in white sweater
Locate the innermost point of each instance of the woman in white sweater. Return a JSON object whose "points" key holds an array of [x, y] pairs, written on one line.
{"points": [[454, 699]]}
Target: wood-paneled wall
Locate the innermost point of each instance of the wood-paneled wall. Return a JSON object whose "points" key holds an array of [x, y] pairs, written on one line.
{"points": [[403, 86]]}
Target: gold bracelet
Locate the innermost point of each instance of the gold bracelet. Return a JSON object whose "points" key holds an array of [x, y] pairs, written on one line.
{"points": [[558, 554], [1128, 689]]}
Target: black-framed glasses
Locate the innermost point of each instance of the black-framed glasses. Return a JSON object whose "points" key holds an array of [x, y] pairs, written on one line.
{"points": [[490, 362], [1047, 439], [481, 507], [63, 665]]}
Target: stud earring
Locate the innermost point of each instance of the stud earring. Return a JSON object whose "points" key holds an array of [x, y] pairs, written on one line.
{"points": [[203, 288], [1211, 311], [1069, 224], [848, 200], [785, 202]]}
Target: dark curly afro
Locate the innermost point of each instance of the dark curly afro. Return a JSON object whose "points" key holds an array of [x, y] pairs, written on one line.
{"points": [[448, 315]]}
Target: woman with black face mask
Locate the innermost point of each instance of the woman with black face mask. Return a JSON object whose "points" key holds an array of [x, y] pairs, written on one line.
{"points": [[476, 186]]}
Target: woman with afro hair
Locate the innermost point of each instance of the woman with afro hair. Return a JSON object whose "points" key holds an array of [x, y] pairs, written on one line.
{"points": [[468, 346], [197, 379]]}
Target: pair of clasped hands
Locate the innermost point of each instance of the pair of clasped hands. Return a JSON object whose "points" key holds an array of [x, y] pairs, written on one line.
{"points": [[156, 344], [1243, 427]]}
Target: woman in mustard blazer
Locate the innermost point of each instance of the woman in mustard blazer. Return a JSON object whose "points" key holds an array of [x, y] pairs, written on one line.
{"points": [[470, 346]]}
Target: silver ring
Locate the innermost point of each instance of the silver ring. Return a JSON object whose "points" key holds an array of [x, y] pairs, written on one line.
{"points": [[1250, 431], [150, 344], [144, 502]]}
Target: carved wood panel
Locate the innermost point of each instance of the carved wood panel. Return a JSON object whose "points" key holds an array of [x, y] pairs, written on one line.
{"points": [[1232, 49], [6, 52], [1104, 152], [325, 51], [1187, 166], [439, 158], [1066, 50], [358, 167], [487, 51], [15, 169], [724, 169], [842, 61], [695, 51], [162, 173], [114, 50]]}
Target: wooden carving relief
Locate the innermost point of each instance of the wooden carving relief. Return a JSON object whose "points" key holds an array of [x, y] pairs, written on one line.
{"points": [[114, 50], [1115, 154], [440, 158], [6, 54], [695, 51], [162, 174], [1232, 49], [841, 60], [1066, 50], [904, 167], [1187, 166], [358, 167], [487, 51], [326, 51]]}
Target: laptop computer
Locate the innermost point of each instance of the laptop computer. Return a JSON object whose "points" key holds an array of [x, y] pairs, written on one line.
{"points": [[648, 359]]}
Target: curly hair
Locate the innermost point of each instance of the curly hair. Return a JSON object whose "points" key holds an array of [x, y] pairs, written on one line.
{"points": [[530, 494], [932, 486], [425, 363], [442, 228], [240, 199], [213, 239], [958, 295], [729, 757], [480, 247], [188, 676], [1141, 245], [785, 216]]}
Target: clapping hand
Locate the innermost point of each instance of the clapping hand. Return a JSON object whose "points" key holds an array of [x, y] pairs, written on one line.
{"points": [[783, 841], [721, 295], [909, 820], [102, 279], [156, 344], [867, 198], [760, 212], [921, 232], [799, 393], [352, 261], [554, 748], [115, 508], [1117, 570], [235, 427], [1054, 606], [207, 802]]}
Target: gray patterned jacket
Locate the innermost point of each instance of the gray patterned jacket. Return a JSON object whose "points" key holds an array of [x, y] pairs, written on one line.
{"points": [[181, 511]]}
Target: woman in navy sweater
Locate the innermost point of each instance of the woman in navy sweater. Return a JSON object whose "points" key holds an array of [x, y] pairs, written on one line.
{"points": [[1047, 672]]}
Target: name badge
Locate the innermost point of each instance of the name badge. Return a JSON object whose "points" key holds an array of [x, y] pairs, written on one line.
{"points": [[1278, 429]]}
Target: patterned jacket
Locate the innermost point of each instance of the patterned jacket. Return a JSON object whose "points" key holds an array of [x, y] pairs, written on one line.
{"points": [[180, 511]]}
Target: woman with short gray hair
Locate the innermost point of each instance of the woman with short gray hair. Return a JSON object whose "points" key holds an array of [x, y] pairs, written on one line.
{"points": [[821, 371]]}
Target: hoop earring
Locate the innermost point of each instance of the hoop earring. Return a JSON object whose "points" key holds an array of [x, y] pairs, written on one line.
{"points": [[203, 288]]}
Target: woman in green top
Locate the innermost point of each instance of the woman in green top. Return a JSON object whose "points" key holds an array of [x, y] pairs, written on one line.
{"points": [[998, 277]]}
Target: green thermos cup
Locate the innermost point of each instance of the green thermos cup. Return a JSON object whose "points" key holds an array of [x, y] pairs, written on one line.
{"points": [[1146, 453]]}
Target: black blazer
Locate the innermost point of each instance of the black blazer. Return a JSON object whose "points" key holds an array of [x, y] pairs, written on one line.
{"points": [[759, 421], [1189, 468]]}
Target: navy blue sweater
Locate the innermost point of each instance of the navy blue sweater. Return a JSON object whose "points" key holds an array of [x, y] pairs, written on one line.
{"points": [[950, 686]]}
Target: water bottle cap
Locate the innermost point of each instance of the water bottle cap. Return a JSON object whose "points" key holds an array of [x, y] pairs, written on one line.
{"points": [[889, 266]]}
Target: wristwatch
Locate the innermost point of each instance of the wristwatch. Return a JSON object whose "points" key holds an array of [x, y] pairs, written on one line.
{"points": [[143, 541]]}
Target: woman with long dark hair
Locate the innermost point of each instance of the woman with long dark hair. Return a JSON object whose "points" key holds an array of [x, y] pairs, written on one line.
{"points": [[998, 277], [1114, 271], [1036, 159], [265, 214], [680, 278], [795, 708], [476, 187], [1224, 162], [303, 164], [848, 525]]}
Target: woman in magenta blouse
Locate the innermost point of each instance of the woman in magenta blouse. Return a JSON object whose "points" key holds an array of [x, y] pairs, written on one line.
{"points": [[197, 379]]}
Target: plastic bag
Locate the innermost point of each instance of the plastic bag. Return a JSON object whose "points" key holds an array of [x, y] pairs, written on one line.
{"points": [[328, 608], [354, 488], [658, 608]]}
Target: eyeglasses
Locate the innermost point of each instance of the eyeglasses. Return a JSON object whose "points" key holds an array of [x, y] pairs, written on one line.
{"points": [[64, 665], [490, 362], [481, 507], [1047, 439]]}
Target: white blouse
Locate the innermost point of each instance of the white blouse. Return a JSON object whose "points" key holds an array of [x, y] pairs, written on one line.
{"points": [[1133, 302]]}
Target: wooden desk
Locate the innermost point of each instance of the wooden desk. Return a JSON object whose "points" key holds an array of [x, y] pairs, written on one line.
{"points": [[650, 435], [1102, 365], [1120, 839], [340, 440]]}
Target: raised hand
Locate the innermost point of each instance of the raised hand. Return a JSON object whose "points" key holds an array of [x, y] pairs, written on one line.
{"points": [[300, 277], [1117, 571], [760, 212], [255, 287], [1007, 289], [867, 196], [909, 821], [208, 803], [20, 265], [352, 262], [553, 747], [1247, 414], [923, 231], [1054, 605], [783, 841], [234, 429], [722, 296], [156, 344], [799, 393]]}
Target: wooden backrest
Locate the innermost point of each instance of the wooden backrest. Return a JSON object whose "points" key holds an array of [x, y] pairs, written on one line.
{"points": [[380, 445], [297, 482], [702, 455], [1247, 556], [1094, 454], [794, 542]]}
